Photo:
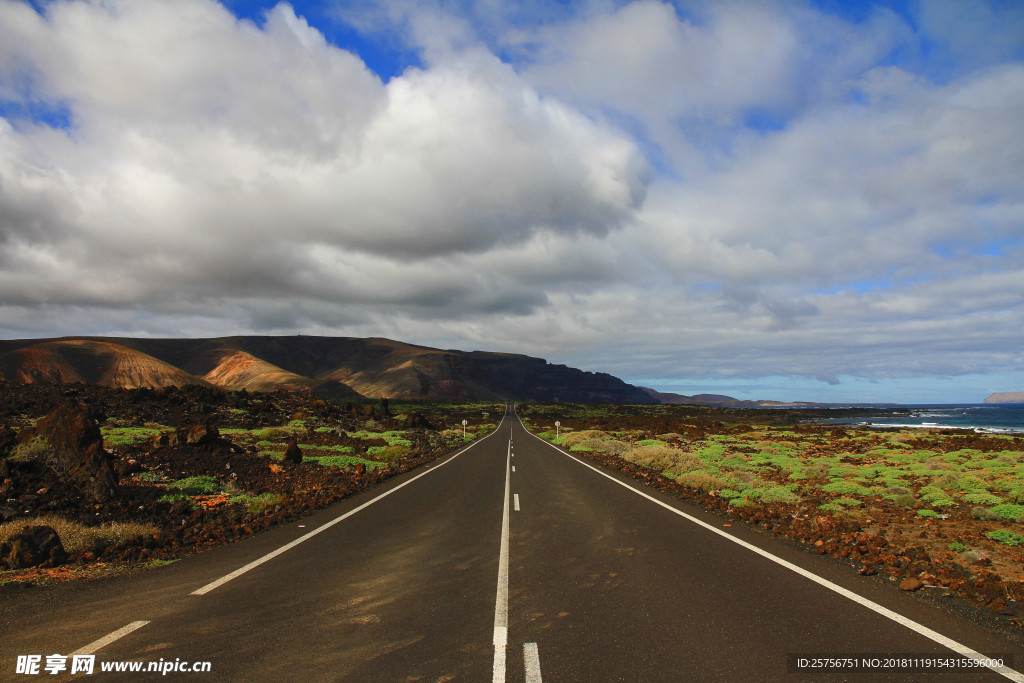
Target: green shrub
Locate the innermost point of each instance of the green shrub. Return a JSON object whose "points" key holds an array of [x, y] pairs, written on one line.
{"points": [[387, 452], [927, 513], [957, 547], [1006, 537], [846, 488], [174, 498], [196, 486], [125, 436], [1014, 491], [257, 504], [773, 494], [972, 484], [982, 498], [1008, 511], [936, 497]]}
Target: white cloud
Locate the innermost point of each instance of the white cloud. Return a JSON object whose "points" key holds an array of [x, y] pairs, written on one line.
{"points": [[819, 203], [213, 156]]}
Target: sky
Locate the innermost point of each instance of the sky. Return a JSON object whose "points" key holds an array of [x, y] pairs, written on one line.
{"points": [[789, 200]]}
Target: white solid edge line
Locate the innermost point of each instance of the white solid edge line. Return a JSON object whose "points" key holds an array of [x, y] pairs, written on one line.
{"points": [[531, 659], [921, 629], [97, 645], [501, 597], [305, 537]]}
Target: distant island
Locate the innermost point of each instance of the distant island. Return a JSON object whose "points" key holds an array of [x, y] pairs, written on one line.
{"points": [[1006, 397], [721, 401]]}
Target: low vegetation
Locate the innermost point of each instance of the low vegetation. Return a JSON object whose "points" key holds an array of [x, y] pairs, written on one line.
{"points": [[79, 538]]}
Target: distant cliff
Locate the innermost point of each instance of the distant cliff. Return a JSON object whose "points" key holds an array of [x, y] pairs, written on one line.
{"points": [[332, 366], [1006, 397]]}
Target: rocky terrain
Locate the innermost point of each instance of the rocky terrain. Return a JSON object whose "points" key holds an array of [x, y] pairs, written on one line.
{"points": [[94, 478], [934, 511]]}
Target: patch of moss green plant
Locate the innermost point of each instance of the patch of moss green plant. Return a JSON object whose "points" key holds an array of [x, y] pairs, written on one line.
{"points": [[1008, 510], [1006, 537], [257, 504], [196, 486], [982, 498], [846, 488], [773, 494], [125, 436], [387, 452], [335, 449]]}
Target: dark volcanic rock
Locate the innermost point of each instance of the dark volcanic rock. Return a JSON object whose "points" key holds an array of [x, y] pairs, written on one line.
{"points": [[202, 434], [37, 546], [8, 439], [417, 421], [293, 453], [78, 454]]}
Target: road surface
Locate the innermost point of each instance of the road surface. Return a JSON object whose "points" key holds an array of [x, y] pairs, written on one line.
{"points": [[508, 560]]}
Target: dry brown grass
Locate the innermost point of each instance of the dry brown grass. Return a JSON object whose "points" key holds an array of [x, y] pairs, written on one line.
{"points": [[705, 481], [664, 459], [595, 440], [77, 537]]}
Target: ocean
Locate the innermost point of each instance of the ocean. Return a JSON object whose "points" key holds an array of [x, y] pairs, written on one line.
{"points": [[996, 418]]}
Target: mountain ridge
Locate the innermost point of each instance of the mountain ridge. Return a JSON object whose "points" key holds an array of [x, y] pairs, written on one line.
{"points": [[340, 367]]}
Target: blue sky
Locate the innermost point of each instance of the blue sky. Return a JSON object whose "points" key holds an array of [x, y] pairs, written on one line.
{"points": [[784, 200]]}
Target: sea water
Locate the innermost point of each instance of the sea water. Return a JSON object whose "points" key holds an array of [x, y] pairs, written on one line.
{"points": [[990, 417]]}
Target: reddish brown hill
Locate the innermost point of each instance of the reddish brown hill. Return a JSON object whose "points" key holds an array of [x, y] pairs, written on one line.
{"points": [[239, 370], [334, 366], [92, 362]]}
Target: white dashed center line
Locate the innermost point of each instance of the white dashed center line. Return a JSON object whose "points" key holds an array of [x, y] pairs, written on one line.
{"points": [[97, 645], [531, 657]]}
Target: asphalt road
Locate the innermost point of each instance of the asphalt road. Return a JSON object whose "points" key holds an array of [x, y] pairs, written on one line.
{"points": [[508, 561]]}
